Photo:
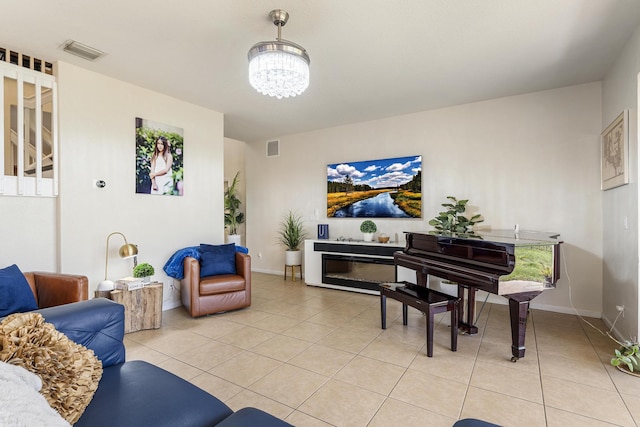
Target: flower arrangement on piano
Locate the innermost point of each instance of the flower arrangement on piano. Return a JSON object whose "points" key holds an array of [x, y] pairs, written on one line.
{"points": [[453, 220]]}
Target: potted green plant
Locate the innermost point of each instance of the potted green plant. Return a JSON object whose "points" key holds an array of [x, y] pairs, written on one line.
{"points": [[291, 234], [453, 220], [143, 270], [367, 228], [233, 217]]}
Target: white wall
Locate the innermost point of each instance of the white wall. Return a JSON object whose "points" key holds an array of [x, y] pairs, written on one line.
{"points": [[620, 244], [28, 230], [97, 141], [531, 160]]}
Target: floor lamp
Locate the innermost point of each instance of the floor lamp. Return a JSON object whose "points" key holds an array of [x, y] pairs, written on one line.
{"points": [[128, 250]]}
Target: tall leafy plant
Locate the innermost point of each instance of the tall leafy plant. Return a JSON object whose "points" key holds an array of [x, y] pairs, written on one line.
{"points": [[453, 220], [291, 233], [233, 217]]}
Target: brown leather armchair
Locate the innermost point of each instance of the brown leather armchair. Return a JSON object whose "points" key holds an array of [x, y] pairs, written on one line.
{"points": [[51, 289], [213, 294]]}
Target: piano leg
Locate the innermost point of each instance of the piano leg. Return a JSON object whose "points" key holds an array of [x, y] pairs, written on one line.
{"points": [[518, 311], [466, 322], [383, 310]]}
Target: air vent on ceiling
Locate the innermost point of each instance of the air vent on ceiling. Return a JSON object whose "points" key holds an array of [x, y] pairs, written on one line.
{"points": [[273, 148], [81, 50]]}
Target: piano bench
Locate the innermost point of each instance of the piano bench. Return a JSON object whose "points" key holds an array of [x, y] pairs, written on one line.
{"points": [[426, 300]]}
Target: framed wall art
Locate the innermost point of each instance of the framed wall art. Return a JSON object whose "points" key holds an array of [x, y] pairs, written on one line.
{"points": [[615, 153], [383, 188], [159, 154]]}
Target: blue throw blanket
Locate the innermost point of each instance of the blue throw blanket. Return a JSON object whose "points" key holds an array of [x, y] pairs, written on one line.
{"points": [[174, 267]]}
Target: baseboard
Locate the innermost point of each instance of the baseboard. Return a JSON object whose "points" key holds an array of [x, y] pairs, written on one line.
{"points": [[274, 272], [168, 305], [497, 299]]}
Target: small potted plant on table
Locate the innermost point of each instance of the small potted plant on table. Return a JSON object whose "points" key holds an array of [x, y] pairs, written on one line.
{"points": [[144, 271]]}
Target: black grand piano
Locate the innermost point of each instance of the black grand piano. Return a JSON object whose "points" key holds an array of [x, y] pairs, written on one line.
{"points": [[517, 265]]}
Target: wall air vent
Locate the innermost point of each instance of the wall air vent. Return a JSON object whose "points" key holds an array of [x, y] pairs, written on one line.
{"points": [[273, 148], [81, 50]]}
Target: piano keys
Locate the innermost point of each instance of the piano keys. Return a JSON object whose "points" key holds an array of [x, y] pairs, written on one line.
{"points": [[516, 265]]}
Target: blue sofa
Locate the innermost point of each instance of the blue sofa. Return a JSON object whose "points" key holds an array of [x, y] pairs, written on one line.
{"points": [[138, 393]]}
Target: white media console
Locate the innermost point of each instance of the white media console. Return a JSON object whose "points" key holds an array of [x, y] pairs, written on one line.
{"points": [[356, 266]]}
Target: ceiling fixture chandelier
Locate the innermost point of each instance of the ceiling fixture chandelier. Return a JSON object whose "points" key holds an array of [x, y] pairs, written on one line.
{"points": [[279, 68]]}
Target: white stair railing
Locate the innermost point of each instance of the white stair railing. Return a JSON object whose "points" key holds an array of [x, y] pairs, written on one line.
{"points": [[33, 146]]}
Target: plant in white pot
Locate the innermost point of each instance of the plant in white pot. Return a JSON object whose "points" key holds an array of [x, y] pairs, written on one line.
{"points": [[292, 234], [143, 271], [232, 215], [367, 228]]}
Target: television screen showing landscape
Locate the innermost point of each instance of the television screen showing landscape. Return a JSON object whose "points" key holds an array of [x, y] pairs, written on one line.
{"points": [[385, 188]]}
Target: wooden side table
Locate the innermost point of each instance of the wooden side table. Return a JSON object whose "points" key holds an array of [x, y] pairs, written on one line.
{"points": [[142, 307]]}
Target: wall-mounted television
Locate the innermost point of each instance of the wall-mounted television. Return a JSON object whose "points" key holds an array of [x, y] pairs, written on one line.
{"points": [[384, 188]]}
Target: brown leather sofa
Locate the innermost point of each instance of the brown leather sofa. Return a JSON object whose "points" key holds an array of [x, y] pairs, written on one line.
{"points": [[213, 294], [52, 289]]}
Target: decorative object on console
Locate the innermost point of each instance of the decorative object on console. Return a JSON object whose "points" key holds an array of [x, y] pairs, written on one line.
{"points": [[292, 235], [367, 228], [279, 68], [383, 238], [233, 217], [323, 231], [128, 250], [452, 220], [384, 188], [144, 271], [615, 153]]}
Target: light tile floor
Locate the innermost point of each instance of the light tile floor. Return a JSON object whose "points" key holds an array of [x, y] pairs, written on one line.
{"points": [[317, 357]]}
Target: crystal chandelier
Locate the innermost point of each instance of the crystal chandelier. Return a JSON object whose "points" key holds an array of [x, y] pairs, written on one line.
{"points": [[279, 68]]}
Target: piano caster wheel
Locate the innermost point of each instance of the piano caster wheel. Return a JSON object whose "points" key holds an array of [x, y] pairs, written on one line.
{"points": [[514, 359]]}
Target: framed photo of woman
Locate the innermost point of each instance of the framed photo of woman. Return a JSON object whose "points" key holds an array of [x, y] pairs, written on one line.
{"points": [[159, 158]]}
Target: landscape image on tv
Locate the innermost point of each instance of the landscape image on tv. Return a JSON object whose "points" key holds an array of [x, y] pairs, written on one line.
{"points": [[385, 188]]}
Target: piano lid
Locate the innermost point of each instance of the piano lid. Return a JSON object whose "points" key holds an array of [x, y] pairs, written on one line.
{"points": [[487, 259], [520, 238]]}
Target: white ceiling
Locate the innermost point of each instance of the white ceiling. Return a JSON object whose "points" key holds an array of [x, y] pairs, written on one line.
{"points": [[369, 58]]}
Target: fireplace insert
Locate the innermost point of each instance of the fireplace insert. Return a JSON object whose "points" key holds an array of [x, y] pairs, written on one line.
{"points": [[356, 271]]}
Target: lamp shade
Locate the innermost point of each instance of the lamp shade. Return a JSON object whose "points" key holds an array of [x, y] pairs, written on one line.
{"points": [[128, 250]]}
